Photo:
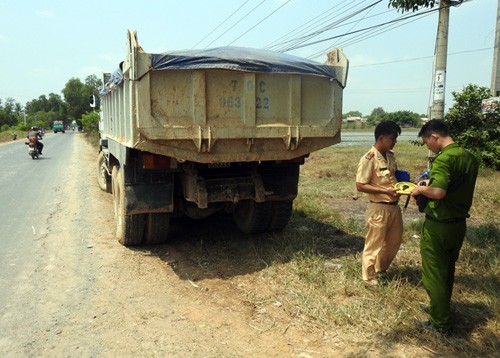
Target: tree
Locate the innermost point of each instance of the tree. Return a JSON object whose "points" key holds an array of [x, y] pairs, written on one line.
{"points": [[378, 114], [404, 118], [90, 121], [413, 5], [478, 132], [76, 95], [9, 113]]}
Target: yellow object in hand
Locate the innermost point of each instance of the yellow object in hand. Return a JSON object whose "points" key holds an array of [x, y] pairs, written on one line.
{"points": [[404, 187]]}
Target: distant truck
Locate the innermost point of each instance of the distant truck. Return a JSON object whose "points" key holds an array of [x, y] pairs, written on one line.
{"points": [[196, 132], [58, 126]]}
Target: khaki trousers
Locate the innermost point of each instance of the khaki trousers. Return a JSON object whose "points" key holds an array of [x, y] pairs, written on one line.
{"points": [[385, 232]]}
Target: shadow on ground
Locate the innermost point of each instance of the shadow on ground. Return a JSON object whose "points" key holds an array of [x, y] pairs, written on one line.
{"points": [[215, 248]]}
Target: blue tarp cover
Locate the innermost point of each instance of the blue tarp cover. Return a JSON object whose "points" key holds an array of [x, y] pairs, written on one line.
{"points": [[239, 59]]}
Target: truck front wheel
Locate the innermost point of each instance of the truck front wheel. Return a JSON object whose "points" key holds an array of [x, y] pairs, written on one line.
{"points": [[251, 217], [103, 177], [129, 228]]}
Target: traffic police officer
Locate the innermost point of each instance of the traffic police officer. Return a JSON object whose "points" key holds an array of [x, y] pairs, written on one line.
{"points": [[450, 189], [376, 177]]}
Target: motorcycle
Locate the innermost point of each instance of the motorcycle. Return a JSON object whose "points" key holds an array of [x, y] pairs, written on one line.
{"points": [[33, 148]]}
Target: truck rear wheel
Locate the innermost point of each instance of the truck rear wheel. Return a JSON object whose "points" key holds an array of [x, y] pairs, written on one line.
{"points": [[157, 225], [129, 228], [251, 217], [103, 177], [281, 211]]}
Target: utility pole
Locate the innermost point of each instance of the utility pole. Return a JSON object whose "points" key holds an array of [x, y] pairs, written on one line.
{"points": [[495, 75], [441, 54]]}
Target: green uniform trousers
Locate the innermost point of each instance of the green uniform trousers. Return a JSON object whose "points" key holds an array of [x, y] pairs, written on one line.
{"points": [[439, 247]]}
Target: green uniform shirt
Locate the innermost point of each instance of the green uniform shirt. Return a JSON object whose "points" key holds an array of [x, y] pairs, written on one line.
{"points": [[455, 170]]}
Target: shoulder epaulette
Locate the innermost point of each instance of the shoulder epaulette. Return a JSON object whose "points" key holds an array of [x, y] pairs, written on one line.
{"points": [[369, 155]]}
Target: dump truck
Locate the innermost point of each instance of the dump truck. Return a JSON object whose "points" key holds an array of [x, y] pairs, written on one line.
{"points": [[193, 133], [58, 126]]}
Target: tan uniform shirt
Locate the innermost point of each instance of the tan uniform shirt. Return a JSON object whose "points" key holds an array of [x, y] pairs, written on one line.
{"points": [[374, 169]]}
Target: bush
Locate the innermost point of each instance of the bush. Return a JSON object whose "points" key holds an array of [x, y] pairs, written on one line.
{"points": [[90, 121], [478, 132]]}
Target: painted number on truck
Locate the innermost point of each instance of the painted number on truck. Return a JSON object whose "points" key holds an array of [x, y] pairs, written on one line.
{"points": [[261, 101], [230, 102]]}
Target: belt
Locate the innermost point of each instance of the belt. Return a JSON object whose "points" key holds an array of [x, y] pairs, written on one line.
{"points": [[384, 202], [445, 221]]}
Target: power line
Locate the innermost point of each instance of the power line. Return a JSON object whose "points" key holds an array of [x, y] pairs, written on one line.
{"points": [[257, 24], [358, 31], [363, 36], [370, 28], [245, 16], [222, 23], [316, 21], [419, 58], [297, 42]]}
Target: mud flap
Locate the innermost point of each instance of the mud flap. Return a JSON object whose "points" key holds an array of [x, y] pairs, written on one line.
{"points": [[149, 198]]}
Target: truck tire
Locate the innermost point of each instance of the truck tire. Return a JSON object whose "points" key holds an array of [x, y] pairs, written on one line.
{"points": [[157, 225], [251, 217], [129, 228], [103, 177], [281, 211]]}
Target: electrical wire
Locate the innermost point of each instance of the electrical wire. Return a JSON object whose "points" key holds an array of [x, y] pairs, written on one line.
{"points": [[298, 43], [314, 22], [418, 58], [222, 23], [257, 24], [356, 31], [364, 36], [370, 28], [245, 16]]}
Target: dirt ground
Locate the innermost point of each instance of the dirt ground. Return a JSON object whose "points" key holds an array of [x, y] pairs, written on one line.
{"points": [[97, 298]]}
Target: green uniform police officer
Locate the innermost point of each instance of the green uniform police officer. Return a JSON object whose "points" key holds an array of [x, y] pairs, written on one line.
{"points": [[450, 189]]}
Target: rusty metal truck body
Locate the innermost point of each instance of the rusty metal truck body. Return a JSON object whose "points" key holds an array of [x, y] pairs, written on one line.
{"points": [[195, 132]]}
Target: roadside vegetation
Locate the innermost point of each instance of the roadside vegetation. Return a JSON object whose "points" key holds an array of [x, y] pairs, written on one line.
{"points": [[308, 276]]}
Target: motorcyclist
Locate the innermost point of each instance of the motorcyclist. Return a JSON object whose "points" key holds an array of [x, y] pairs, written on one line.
{"points": [[34, 136]]}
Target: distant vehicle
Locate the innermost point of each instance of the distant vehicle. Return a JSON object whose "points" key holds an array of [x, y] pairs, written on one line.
{"points": [[33, 151], [58, 126]]}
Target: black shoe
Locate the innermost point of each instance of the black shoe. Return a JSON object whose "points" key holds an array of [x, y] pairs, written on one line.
{"points": [[424, 307], [428, 326]]}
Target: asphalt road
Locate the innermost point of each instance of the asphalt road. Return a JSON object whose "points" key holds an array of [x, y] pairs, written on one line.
{"points": [[31, 194], [28, 194]]}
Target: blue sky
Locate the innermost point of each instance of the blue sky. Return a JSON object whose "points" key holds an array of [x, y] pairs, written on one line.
{"points": [[45, 43]]}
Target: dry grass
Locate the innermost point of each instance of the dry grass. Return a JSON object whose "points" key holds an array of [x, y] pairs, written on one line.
{"points": [[308, 276], [334, 234]]}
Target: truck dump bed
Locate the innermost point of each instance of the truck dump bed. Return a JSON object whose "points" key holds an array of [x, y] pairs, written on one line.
{"points": [[224, 105]]}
